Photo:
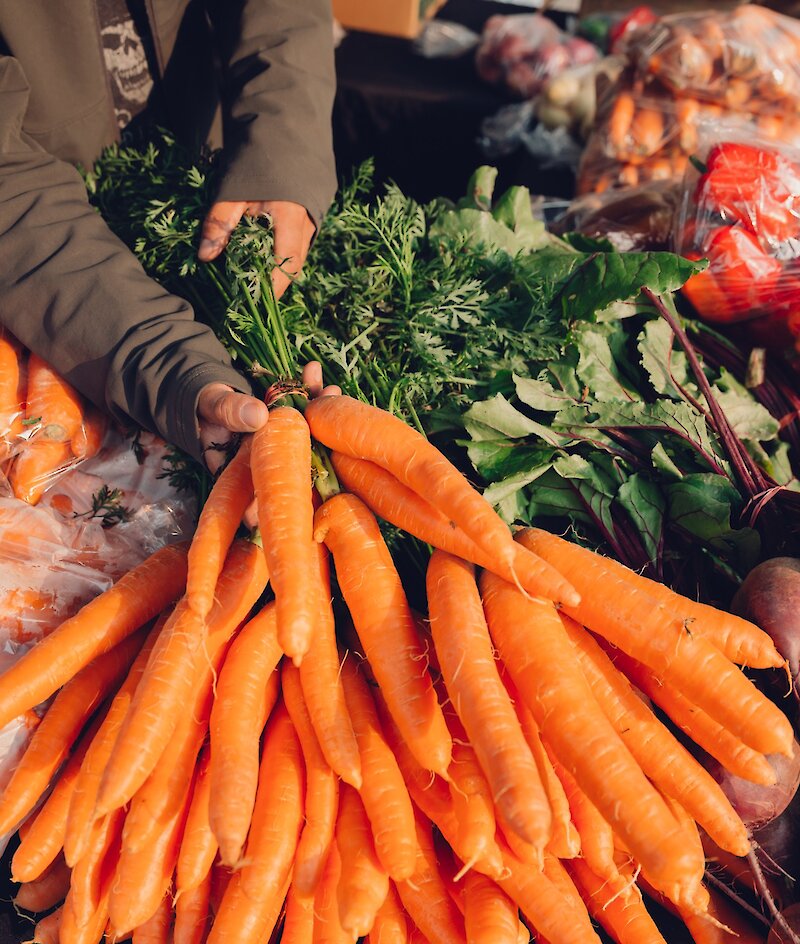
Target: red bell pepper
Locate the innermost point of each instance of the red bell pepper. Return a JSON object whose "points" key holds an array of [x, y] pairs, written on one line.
{"points": [[707, 298], [638, 17], [746, 274]]}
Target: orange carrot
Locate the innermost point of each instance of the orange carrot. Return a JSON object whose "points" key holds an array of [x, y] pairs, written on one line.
{"points": [[51, 402], [142, 878], [327, 926], [655, 635], [281, 466], [490, 916], [465, 653], [322, 791], [363, 884], [472, 804], [52, 740], [103, 623], [91, 931], [383, 791], [242, 918], [365, 432], [647, 133], [88, 438], [156, 930], [392, 924], [713, 737], [278, 813], [619, 124], [92, 872], [385, 625], [168, 678], [247, 689], [83, 798], [47, 928], [425, 896], [553, 687], [322, 687], [193, 913], [396, 503], [665, 761], [12, 389], [47, 890], [216, 529], [298, 925], [44, 834], [35, 467], [624, 917], [198, 845]]}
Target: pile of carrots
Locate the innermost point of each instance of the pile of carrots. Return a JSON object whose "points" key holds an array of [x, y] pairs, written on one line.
{"points": [[330, 765], [45, 425]]}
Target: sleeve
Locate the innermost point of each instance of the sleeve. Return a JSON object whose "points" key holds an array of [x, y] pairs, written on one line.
{"points": [[73, 293], [279, 84]]}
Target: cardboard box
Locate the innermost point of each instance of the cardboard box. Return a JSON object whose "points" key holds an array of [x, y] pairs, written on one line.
{"points": [[390, 17]]}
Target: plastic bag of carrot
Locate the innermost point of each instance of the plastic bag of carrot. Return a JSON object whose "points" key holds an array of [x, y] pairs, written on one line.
{"points": [[329, 766]]}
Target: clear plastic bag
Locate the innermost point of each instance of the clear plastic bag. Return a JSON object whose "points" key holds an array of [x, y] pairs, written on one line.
{"points": [[523, 51], [741, 211], [441, 39]]}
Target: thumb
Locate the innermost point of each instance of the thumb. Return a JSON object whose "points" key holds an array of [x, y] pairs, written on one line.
{"points": [[237, 412], [221, 220]]}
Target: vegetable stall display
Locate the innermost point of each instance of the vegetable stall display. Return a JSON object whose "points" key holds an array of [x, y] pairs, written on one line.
{"points": [[411, 781]]}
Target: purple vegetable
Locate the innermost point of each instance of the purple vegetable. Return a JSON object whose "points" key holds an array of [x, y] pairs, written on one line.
{"points": [[755, 803]]}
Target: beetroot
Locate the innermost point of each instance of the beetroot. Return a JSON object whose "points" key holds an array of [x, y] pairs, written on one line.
{"points": [[755, 803]]}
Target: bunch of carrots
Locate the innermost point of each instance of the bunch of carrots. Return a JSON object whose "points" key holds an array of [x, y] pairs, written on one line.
{"points": [[331, 766], [45, 425]]}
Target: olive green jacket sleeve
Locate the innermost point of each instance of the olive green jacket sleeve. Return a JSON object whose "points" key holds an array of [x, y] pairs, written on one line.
{"points": [[278, 90], [74, 294]]}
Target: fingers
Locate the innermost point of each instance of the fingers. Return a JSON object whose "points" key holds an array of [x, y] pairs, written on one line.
{"points": [[312, 380], [220, 405], [293, 230], [218, 225]]}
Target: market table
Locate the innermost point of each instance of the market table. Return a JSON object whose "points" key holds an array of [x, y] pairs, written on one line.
{"points": [[420, 118]]}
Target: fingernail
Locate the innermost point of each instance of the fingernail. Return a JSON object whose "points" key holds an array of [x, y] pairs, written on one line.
{"points": [[252, 415], [206, 251]]}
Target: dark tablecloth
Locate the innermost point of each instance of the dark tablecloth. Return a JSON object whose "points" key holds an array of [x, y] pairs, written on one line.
{"points": [[420, 118]]}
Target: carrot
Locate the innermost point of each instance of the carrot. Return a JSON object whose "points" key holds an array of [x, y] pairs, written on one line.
{"points": [[103, 623], [298, 925], [396, 503], [665, 761], [490, 916], [12, 389], [327, 926], [88, 438], [619, 123], [246, 693], [281, 466], [654, 634], [198, 844], [44, 833], [156, 930], [242, 918], [322, 791], [391, 922], [363, 883], [47, 928], [740, 640], [51, 402], [35, 467], [472, 804], [322, 687], [91, 931], [624, 917], [365, 432], [553, 687], [52, 740], [91, 873], [465, 653], [723, 924], [278, 813], [383, 791], [425, 896], [47, 890], [713, 737], [168, 678], [565, 841], [193, 913], [142, 878], [647, 133], [83, 798], [216, 529], [385, 625]]}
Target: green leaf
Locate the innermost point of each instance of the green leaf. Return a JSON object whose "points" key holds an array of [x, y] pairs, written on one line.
{"points": [[514, 210], [663, 462], [497, 459], [500, 491], [551, 496], [598, 369], [751, 421], [603, 278], [666, 367], [540, 395], [480, 189], [496, 415], [645, 506]]}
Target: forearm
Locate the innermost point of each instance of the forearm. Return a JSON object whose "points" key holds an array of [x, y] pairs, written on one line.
{"points": [[72, 292]]}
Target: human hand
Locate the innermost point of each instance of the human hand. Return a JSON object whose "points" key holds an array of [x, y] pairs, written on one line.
{"points": [[292, 227]]}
